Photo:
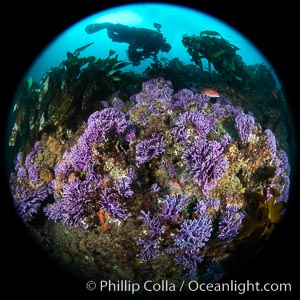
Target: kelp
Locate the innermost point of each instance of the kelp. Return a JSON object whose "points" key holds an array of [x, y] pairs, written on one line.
{"points": [[180, 73], [24, 112], [260, 222], [262, 216], [210, 45], [66, 95], [80, 49]]}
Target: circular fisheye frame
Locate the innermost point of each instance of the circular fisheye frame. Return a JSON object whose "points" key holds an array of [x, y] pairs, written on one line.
{"points": [[140, 151]]}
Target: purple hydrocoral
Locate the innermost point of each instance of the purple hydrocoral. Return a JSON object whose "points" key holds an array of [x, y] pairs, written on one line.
{"points": [[34, 173], [92, 177], [149, 249], [70, 207], [186, 243], [99, 125], [29, 191], [218, 111], [149, 246], [155, 187], [284, 195], [129, 133], [201, 100], [110, 118], [80, 158], [28, 199], [230, 222], [81, 154], [153, 224], [158, 88], [200, 207], [206, 204], [190, 238], [169, 168], [63, 168], [148, 149], [271, 140], [110, 204], [183, 98], [212, 203], [118, 104], [71, 203], [172, 205], [282, 164], [29, 160], [143, 119], [244, 124], [123, 185], [157, 94], [180, 133], [193, 234], [189, 262], [225, 140], [202, 122], [207, 163], [21, 172], [130, 173], [233, 111]]}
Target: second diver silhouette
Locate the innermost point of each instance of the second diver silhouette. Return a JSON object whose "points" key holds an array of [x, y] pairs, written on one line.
{"points": [[143, 43]]}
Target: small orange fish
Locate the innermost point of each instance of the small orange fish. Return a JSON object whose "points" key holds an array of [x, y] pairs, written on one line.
{"points": [[210, 92]]}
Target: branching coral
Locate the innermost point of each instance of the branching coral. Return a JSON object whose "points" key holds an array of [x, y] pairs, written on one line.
{"points": [[172, 205], [244, 124], [152, 222], [70, 208], [202, 123], [189, 239], [28, 189], [206, 162], [230, 222], [150, 148], [185, 243], [110, 204], [72, 200], [178, 168]]}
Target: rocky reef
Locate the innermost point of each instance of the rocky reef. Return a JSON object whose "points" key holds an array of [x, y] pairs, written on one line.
{"points": [[163, 184]]}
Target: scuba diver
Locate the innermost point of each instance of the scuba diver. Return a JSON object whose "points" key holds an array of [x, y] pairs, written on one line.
{"points": [[143, 42]]}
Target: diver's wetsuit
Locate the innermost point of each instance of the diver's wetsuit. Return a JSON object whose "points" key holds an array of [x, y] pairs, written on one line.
{"points": [[143, 42]]}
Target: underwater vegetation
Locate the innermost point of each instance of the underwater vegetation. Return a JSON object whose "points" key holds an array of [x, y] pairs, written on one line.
{"points": [[223, 58], [66, 94], [219, 52], [162, 181]]}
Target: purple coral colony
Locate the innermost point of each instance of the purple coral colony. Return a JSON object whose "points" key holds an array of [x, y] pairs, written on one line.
{"points": [[178, 176]]}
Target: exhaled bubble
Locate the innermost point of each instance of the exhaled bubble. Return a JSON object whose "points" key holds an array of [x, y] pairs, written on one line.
{"points": [[144, 151]]}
